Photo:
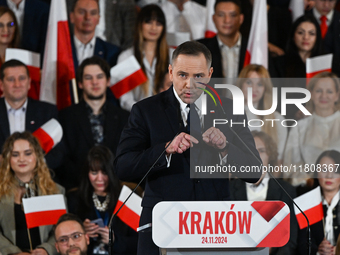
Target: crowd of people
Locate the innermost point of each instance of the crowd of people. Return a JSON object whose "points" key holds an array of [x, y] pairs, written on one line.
{"points": [[109, 142]]}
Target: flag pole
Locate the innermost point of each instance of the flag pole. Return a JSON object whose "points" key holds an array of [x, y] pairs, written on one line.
{"points": [[29, 239], [75, 91]]}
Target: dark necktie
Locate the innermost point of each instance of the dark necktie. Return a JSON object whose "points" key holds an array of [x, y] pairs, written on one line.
{"points": [[193, 122]]}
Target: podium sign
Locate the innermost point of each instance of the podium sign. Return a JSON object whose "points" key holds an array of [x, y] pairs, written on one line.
{"points": [[223, 224]]}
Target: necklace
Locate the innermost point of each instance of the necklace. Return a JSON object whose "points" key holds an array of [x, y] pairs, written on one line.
{"points": [[29, 187], [102, 207]]}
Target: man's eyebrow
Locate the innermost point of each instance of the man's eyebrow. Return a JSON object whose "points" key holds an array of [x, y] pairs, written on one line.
{"points": [[182, 72]]}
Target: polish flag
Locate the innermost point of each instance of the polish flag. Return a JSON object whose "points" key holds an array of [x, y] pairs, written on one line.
{"points": [[210, 26], [257, 49], [175, 39], [49, 134], [297, 8], [317, 65], [126, 76], [32, 61], [43, 210], [311, 204], [130, 212], [58, 69]]}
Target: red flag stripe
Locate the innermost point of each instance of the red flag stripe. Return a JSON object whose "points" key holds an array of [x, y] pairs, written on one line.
{"points": [[65, 67], [45, 140], [209, 34], [34, 91], [128, 83], [128, 216], [43, 218], [314, 215], [247, 59]]}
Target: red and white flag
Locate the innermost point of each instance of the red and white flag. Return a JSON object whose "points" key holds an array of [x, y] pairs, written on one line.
{"points": [[126, 76], [318, 64], [49, 134], [130, 212], [43, 210], [58, 68], [32, 61], [297, 8], [210, 30], [257, 49], [311, 204]]}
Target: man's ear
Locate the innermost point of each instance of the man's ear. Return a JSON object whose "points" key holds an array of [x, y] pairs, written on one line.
{"points": [[57, 247], [72, 17], [171, 75], [80, 85], [1, 86]]}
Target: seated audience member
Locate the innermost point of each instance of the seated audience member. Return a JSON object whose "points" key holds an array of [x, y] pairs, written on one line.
{"points": [[228, 47], [304, 42], [96, 199], [32, 17], [70, 227], [93, 121], [257, 77], [318, 132], [325, 233], [10, 31], [19, 112], [185, 16], [328, 18], [151, 51], [268, 189], [85, 18], [23, 174]]}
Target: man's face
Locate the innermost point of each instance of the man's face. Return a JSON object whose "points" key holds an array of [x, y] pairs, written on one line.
{"points": [[71, 247], [15, 84], [227, 18], [85, 16], [185, 72], [94, 83], [324, 6]]}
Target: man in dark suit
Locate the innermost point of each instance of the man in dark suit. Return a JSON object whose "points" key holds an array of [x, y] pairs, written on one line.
{"points": [[159, 121], [329, 20], [93, 121], [20, 113], [228, 47], [85, 17], [34, 23]]}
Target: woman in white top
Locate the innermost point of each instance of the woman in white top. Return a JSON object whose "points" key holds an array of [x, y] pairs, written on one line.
{"points": [[318, 132], [257, 77], [151, 51]]}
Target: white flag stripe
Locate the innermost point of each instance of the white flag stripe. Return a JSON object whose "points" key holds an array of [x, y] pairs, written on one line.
{"points": [[175, 39], [297, 8], [124, 69], [43, 203], [29, 58], [54, 129], [308, 200], [319, 63], [134, 202]]}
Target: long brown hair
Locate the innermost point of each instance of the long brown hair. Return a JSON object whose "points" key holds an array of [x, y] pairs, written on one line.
{"points": [[16, 38], [8, 183], [147, 13], [266, 101]]}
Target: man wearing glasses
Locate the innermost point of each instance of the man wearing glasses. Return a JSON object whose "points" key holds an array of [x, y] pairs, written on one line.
{"points": [[70, 236]]}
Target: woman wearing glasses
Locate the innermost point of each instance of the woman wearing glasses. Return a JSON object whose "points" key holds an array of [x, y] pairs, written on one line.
{"points": [[24, 174]]}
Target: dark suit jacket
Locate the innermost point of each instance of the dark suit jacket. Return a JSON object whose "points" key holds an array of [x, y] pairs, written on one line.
{"points": [[78, 138], [212, 45], [35, 23], [37, 114], [102, 49], [238, 192]]}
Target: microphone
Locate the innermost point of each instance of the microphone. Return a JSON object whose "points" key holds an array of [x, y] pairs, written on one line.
{"points": [[140, 182], [309, 239]]}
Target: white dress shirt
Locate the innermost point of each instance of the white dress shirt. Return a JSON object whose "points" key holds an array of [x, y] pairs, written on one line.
{"points": [[329, 16], [84, 50], [16, 117]]}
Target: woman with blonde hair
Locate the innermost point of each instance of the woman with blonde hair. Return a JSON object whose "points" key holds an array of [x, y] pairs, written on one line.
{"points": [[257, 77], [318, 132], [23, 174], [151, 51]]}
